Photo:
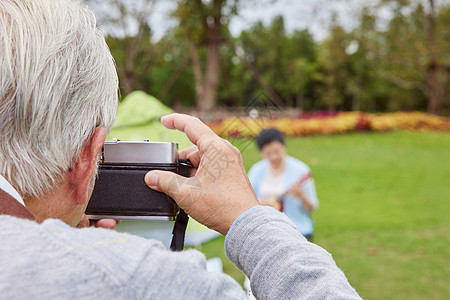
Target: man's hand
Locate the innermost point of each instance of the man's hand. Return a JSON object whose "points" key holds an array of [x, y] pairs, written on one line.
{"points": [[219, 190]]}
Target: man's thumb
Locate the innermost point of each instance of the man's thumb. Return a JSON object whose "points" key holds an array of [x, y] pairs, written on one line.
{"points": [[160, 181]]}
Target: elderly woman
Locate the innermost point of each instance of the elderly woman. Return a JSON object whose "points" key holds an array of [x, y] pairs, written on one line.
{"points": [[284, 182]]}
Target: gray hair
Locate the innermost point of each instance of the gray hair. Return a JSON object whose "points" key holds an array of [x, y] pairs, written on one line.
{"points": [[58, 82]]}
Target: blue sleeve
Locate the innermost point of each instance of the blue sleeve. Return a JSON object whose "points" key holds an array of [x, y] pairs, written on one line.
{"points": [[255, 175], [309, 189], [298, 169]]}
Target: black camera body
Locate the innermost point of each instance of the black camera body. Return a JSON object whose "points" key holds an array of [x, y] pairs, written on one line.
{"points": [[120, 191]]}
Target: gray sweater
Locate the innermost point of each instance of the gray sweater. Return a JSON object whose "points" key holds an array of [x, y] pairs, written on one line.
{"points": [[53, 261]]}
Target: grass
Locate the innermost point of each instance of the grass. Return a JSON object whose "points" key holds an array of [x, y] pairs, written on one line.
{"points": [[384, 204]]}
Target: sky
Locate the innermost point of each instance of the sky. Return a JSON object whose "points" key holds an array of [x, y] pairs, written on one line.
{"points": [[314, 15], [297, 14]]}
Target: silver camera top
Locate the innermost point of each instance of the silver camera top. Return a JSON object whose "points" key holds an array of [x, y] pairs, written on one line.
{"points": [[122, 152]]}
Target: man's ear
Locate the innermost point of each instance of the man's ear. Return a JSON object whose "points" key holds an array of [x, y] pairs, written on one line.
{"points": [[85, 165]]}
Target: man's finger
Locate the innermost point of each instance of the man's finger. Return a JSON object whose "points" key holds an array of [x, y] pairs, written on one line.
{"points": [[193, 127], [165, 181], [106, 223], [192, 154], [187, 151]]}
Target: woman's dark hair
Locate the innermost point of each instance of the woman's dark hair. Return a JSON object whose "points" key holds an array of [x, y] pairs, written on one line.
{"points": [[267, 136]]}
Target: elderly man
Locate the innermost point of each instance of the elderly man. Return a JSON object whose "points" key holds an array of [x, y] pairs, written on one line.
{"points": [[58, 97]]}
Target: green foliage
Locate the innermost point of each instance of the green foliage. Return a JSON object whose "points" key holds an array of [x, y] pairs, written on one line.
{"points": [[335, 68], [286, 61], [169, 53], [383, 210], [406, 55], [366, 87], [376, 66], [133, 57]]}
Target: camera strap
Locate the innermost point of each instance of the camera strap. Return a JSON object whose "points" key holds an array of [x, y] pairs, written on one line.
{"points": [[179, 228], [179, 231]]}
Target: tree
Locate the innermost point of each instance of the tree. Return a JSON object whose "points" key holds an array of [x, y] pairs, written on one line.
{"points": [[171, 76], [413, 49], [255, 50], [301, 65], [443, 46], [334, 64], [129, 37], [204, 24], [366, 86]]}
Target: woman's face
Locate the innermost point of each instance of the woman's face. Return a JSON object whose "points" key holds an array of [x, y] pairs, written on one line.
{"points": [[275, 153]]}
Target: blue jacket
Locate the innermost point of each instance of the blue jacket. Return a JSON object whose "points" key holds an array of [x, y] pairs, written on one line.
{"points": [[293, 208]]}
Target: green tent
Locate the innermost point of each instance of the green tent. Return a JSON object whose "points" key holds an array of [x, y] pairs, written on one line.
{"points": [[137, 119]]}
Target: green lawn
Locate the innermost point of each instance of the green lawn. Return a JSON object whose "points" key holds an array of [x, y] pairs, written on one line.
{"points": [[384, 205]]}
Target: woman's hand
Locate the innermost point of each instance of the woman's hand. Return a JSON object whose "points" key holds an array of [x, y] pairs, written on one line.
{"points": [[296, 190]]}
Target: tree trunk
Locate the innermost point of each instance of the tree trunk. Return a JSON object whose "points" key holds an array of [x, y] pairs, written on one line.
{"points": [[299, 100], [130, 80], [196, 66], [433, 90], [211, 80], [433, 66]]}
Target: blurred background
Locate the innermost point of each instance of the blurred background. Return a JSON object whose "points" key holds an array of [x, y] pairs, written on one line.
{"points": [[360, 88]]}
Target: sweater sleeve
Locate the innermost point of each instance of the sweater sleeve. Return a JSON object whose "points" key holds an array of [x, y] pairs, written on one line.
{"points": [[181, 275], [280, 263]]}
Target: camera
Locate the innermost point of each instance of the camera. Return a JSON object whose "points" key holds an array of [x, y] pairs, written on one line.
{"points": [[120, 191]]}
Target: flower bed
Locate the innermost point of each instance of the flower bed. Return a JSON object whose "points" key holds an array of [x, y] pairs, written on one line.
{"points": [[340, 123]]}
